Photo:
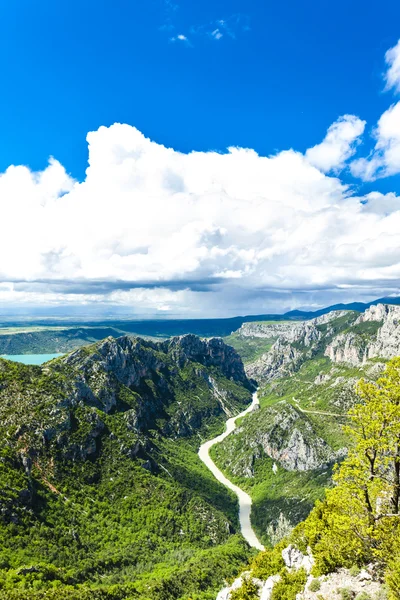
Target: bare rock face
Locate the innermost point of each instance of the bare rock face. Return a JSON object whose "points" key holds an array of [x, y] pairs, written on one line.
{"points": [[387, 343], [284, 434], [210, 353], [294, 343], [363, 344], [291, 441], [342, 579], [295, 559], [347, 348], [267, 330], [282, 360]]}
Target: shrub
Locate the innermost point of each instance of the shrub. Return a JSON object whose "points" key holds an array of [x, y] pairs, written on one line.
{"points": [[363, 596], [247, 591], [346, 594], [392, 576], [354, 571], [289, 585], [267, 563], [315, 585]]}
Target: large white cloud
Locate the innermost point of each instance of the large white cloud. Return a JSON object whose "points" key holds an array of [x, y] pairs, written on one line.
{"points": [[204, 233], [339, 145]]}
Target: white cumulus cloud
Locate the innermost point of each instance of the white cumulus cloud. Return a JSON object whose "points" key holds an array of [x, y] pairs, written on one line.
{"points": [[392, 76], [385, 158], [154, 229], [339, 144]]}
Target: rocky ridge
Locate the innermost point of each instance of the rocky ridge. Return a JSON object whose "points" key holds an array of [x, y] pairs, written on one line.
{"points": [[172, 387], [342, 336]]}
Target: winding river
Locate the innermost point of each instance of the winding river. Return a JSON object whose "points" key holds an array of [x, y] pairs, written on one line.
{"points": [[244, 499]]}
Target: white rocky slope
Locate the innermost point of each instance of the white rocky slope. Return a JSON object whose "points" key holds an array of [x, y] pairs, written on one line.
{"points": [[328, 586], [342, 336], [355, 349], [294, 342]]}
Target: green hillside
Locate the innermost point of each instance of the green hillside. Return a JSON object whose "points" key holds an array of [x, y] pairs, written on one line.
{"points": [[102, 494]]}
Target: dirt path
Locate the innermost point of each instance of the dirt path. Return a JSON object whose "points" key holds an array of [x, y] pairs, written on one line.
{"points": [[317, 412]]}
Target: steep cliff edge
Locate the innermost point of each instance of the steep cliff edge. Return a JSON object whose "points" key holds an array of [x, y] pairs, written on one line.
{"points": [[343, 336], [376, 334]]}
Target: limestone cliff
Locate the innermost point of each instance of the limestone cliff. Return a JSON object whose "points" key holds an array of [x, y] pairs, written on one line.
{"points": [[376, 334], [295, 342]]}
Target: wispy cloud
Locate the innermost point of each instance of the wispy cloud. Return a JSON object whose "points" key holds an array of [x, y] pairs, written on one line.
{"points": [[180, 38], [171, 6], [392, 75], [231, 26], [217, 34], [169, 13]]}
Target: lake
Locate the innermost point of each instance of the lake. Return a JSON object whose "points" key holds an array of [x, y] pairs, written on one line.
{"points": [[30, 359]]}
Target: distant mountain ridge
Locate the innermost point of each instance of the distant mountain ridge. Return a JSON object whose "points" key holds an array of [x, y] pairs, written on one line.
{"points": [[357, 306], [59, 336]]}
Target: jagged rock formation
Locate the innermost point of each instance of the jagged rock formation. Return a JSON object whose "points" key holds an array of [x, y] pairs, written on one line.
{"points": [[377, 334], [343, 336], [135, 377]]}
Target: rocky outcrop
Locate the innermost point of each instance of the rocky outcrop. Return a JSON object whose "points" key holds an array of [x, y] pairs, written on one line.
{"points": [[291, 441], [284, 434], [210, 353], [295, 342], [266, 330], [387, 341], [282, 360], [293, 559], [327, 587], [348, 348], [365, 342], [363, 583]]}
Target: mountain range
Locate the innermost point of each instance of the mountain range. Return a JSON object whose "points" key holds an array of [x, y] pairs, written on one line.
{"points": [[48, 336]]}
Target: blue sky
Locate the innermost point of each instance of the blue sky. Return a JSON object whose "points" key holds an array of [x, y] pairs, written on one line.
{"points": [[203, 77], [69, 67]]}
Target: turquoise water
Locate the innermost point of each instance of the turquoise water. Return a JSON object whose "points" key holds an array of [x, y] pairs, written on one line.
{"points": [[30, 359]]}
